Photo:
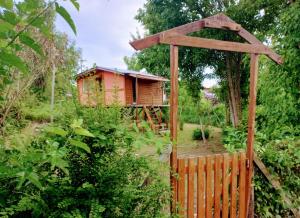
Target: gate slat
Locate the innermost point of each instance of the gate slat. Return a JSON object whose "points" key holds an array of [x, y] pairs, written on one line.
{"points": [[200, 188], [242, 185], [190, 197], [225, 186], [181, 187], [209, 182], [217, 192], [220, 181], [233, 188]]}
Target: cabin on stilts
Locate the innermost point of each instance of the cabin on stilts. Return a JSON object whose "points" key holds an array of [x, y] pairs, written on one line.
{"points": [[211, 185], [143, 92]]}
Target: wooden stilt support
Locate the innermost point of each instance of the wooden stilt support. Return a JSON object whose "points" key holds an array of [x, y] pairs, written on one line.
{"points": [[251, 129], [173, 120]]}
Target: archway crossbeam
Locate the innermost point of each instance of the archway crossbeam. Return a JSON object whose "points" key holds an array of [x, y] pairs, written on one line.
{"points": [[219, 21]]}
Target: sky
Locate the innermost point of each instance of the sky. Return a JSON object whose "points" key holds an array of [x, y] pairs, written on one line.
{"points": [[104, 29]]}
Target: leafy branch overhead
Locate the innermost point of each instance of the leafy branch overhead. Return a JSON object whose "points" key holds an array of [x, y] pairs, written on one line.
{"points": [[18, 23]]}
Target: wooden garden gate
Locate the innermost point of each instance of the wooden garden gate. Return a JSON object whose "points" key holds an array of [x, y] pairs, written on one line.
{"points": [[211, 185]]}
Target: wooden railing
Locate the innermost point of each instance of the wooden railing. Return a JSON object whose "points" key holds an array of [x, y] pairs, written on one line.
{"points": [[212, 186]]}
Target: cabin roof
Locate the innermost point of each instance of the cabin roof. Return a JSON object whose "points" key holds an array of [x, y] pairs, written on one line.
{"points": [[131, 73]]}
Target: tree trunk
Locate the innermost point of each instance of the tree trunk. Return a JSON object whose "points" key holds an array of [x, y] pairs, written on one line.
{"points": [[234, 91], [237, 68], [232, 94], [202, 132]]}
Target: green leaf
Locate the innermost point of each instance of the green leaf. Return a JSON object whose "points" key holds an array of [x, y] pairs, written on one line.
{"points": [[31, 43], [76, 4], [31, 177], [8, 4], [84, 132], [64, 13], [81, 145], [135, 127], [76, 123], [12, 60], [10, 17], [5, 26], [56, 130], [34, 179], [59, 163], [22, 179]]}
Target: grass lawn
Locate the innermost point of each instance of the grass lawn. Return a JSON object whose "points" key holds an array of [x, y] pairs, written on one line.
{"points": [[187, 147]]}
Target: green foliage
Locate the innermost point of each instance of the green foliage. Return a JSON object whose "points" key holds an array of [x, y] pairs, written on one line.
{"points": [[234, 138], [19, 20], [81, 168], [157, 16], [282, 158], [197, 134], [194, 110], [64, 13]]}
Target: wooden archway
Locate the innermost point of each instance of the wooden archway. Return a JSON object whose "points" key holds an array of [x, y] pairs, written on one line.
{"points": [[177, 37]]}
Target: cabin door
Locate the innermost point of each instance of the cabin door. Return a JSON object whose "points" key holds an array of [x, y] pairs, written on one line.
{"points": [[100, 85], [134, 95]]}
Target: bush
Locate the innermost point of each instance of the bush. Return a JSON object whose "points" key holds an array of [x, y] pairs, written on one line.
{"points": [[181, 124], [81, 169], [234, 138], [282, 158], [197, 134]]}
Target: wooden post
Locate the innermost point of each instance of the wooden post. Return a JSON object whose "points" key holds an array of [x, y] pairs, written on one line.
{"points": [[173, 119], [251, 128], [53, 91], [136, 101]]}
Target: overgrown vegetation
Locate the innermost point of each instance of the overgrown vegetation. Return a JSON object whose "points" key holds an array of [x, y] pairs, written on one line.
{"points": [[84, 163], [85, 167]]}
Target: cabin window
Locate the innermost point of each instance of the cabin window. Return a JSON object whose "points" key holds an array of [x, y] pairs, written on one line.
{"points": [[86, 85]]}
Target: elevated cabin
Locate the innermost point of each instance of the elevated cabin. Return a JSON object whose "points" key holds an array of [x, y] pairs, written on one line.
{"points": [[127, 88]]}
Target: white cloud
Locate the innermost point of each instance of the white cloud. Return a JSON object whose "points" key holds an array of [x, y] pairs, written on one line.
{"points": [[104, 28]]}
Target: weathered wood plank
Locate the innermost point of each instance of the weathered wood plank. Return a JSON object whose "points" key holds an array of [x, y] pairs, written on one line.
{"points": [[225, 186], [200, 187], [242, 183], [251, 124], [220, 24], [217, 181], [182, 40], [233, 186], [253, 40], [220, 21], [173, 119], [209, 183], [181, 186], [190, 196]]}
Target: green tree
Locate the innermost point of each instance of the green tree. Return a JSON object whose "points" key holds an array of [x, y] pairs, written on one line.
{"points": [[27, 42], [279, 95], [257, 17]]}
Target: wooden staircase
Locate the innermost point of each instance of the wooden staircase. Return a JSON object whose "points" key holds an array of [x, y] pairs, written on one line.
{"points": [[153, 115]]}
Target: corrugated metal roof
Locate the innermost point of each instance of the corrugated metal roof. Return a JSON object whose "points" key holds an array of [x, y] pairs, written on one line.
{"points": [[142, 75]]}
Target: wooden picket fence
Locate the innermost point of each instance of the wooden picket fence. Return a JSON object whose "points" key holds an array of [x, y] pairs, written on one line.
{"points": [[212, 186]]}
